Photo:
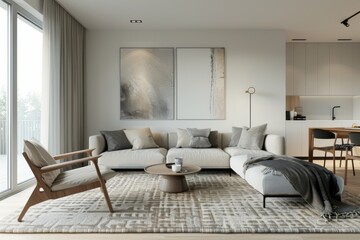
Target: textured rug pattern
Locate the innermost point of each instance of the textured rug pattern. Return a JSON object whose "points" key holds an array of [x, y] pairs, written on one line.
{"points": [[216, 203]]}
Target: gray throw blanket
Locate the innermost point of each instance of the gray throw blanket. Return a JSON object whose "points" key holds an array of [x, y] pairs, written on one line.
{"points": [[317, 185]]}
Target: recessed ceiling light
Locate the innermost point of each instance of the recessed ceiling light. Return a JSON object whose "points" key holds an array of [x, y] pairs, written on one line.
{"points": [[298, 39], [136, 21], [344, 39]]}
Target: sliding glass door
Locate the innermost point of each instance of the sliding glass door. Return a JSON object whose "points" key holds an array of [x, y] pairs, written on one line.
{"points": [[20, 92], [29, 78], [4, 79]]}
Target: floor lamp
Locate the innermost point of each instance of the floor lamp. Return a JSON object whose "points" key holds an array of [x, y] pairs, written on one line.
{"points": [[250, 91]]}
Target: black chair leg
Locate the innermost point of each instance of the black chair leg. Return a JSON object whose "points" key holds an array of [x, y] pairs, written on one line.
{"points": [[340, 158], [325, 160], [353, 167]]}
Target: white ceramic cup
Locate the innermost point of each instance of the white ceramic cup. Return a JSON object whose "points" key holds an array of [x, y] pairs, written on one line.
{"points": [[178, 161], [176, 168]]}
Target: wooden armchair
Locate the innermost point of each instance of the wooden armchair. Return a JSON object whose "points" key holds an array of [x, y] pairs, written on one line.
{"points": [[53, 184]]}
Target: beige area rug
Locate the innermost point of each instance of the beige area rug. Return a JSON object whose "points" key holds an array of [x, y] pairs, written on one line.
{"points": [[216, 203]]}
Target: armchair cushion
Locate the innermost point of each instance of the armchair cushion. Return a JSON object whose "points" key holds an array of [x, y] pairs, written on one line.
{"points": [[80, 176], [41, 158]]}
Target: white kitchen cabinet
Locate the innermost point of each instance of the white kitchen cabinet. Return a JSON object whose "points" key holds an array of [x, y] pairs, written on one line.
{"points": [[293, 141], [290, 69], [323, 69], [356, 70], [341, 69], [299, 69], [311, 85]]}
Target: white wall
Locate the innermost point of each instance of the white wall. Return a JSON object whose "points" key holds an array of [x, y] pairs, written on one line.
{"points": [[252, 58]]}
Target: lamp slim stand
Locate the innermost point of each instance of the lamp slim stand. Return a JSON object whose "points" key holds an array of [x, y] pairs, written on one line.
{"points": [[250, 91], [250, 110]]}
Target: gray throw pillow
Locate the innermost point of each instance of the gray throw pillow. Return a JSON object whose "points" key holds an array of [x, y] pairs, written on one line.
{"points": [[236, 133], [252, 138], [116, 140], [199, 137], [213, 139]]}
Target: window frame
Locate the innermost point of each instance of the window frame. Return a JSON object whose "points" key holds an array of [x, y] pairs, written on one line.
{"points": [[13, 12]]}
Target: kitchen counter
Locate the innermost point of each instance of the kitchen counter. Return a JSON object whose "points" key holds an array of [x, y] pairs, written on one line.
{"points": [[297, 131]]}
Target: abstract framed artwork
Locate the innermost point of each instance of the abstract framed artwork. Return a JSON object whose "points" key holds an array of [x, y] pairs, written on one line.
{"points": [[200, 83], [147, 83]]}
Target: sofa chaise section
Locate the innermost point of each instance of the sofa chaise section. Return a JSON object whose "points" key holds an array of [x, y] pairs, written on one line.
{"points": [[269, 185]]}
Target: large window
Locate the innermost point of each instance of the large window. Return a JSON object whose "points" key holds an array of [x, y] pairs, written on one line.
{"points": [[29, 67], [20, 92], [4, 79]]}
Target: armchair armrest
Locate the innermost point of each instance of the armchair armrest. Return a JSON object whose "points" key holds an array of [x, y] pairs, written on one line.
{"points": [[275, 144], [65, 155], [61, 165]]}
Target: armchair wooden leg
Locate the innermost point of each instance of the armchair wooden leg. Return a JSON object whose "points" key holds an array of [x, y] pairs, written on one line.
{"points": [[35, 198], [107, 198], [103, 188]]}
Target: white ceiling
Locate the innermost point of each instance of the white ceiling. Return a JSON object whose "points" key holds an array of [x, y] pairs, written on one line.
{"points": [[315, 20]]}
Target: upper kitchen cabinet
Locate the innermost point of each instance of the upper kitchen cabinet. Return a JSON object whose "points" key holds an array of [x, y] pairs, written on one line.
{"points": [[341, 69], [290, 69], [323, 69], [356, 70], [299, 69], [311, 69]]}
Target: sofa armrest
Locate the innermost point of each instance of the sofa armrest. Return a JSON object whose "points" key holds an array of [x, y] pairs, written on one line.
{"points": [[275, 144], [97, 142]]}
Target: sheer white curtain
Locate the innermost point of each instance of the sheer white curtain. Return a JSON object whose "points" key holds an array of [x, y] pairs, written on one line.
{"points": [[63, 64]]}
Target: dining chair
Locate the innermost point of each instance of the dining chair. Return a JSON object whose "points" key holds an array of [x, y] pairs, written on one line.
{"points": [[51, 183], [328, 135], [355, 142]]}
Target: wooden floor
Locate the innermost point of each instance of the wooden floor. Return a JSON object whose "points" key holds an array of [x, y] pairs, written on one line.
{"points": [[17, 201]]}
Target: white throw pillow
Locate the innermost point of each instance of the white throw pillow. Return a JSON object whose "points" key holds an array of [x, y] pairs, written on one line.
{"points": [[140, 138], [41, 158], [183, 138]]}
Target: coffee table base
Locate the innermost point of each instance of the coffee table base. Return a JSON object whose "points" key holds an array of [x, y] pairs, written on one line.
{"points": [[173, 184]]}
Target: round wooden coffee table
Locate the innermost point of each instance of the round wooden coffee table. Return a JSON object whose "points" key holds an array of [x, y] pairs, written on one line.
{"points": [[172, 182]]}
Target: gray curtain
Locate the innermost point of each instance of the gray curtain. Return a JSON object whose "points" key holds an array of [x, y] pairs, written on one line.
{"points": [[64, 63]]}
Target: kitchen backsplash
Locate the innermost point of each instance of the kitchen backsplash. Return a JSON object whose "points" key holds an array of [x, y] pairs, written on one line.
{"points": [[320, 107]]}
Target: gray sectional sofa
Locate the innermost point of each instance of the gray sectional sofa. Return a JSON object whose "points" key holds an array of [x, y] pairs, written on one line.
{"points": [[221, 157], [166, 152]]}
